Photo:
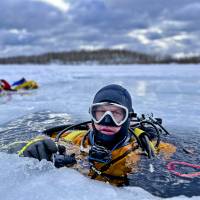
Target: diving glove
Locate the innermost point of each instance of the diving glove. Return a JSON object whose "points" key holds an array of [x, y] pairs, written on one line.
{"points": [[39, 149], [61, 159], [64, 160]]}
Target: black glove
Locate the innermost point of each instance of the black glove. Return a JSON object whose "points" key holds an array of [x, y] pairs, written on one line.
{"points": [[41, 149], [64, 160]]}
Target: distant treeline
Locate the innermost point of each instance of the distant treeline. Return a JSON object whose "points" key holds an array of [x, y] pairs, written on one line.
{"points": [[103, 56]]}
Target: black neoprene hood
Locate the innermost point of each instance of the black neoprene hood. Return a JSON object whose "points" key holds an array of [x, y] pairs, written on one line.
{"points": [[116, 94]]}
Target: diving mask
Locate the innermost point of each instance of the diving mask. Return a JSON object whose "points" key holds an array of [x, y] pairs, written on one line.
{"points": [[118, 113]]}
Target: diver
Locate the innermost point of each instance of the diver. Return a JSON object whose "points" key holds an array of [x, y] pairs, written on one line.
{"points": [[107, 149]]}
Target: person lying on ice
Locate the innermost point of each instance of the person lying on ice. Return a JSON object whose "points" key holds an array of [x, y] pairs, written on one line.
{"points": [[108, 151], [17, 85]]}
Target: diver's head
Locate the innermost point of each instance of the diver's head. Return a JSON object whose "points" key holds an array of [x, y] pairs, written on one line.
{"points": [[110, 113]]}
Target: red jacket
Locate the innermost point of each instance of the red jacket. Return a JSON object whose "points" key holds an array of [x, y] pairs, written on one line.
{"points": [[5, 85]]}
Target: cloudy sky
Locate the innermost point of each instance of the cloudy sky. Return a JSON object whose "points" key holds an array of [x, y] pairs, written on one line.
{"points": [[152, 26]]}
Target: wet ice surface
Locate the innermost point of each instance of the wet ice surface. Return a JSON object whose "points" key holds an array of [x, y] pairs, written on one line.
{"points": [[25, 178], [169, 91]]}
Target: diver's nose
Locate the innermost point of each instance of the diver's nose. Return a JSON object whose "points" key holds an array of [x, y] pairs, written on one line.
{"points": [[108, 121]]}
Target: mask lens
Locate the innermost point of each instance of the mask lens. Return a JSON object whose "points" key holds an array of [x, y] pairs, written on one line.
{"points": [[117, 112], [98, 112]]}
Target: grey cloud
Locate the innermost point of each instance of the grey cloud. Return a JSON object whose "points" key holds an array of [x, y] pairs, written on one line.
{"points": [[154, 36], [11, 37], [188, 12], [29, 14], [103, 23]]}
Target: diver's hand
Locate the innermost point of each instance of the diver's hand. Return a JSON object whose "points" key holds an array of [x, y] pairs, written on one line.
{"points": [[42, 149], [64, 160]]}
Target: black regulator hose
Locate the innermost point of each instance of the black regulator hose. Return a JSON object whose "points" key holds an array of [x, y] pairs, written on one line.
{"points": [[138, 141], [156, 129], [144, 141], [154, 121], [69, 128], [49, 131]]}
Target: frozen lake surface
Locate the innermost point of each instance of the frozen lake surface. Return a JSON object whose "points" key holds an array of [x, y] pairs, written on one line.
{"points": [[171, 92]]}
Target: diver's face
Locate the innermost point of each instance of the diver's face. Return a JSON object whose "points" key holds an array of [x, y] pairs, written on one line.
{"points": [[107, 130], [99, 113]]}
